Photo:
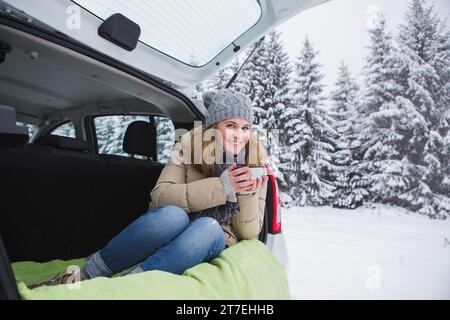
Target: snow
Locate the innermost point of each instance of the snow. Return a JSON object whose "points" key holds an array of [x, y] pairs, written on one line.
{"points": [[373, 252]]}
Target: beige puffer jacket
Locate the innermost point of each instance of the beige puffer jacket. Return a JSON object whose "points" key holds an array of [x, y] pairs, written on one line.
{"points": [[182, 185]]}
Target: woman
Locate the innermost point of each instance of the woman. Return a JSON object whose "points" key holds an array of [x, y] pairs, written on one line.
{"points": [[203, 201]]}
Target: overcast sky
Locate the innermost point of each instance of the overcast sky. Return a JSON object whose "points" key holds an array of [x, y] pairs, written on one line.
{"points": [[338, 30]]}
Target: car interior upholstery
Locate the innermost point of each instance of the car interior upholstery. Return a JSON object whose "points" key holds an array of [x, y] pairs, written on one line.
{"points": [[56, 200]]}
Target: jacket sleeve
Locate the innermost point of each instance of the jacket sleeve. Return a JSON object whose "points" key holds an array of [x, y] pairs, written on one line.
{"points": [[172, 189], [247, 224]]}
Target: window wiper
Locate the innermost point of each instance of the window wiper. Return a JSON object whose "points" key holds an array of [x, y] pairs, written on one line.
{"points": [[245, 62]]}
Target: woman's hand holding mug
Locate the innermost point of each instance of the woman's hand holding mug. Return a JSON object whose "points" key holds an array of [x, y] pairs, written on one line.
{"points": [[241, 179]]}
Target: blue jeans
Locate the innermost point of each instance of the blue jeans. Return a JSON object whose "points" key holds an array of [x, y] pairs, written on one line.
{"points": [[161, 239]]}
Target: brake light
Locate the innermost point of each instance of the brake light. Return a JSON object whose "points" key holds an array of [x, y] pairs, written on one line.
{"points": [[276, 218]]}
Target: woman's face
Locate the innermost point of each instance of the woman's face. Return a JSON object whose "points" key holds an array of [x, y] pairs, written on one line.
{"points": [[235, 134]]}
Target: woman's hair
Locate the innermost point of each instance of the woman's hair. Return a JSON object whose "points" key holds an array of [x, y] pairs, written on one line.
{"points": [[204, 151]]}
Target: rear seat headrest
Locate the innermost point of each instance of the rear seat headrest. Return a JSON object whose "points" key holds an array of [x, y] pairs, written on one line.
{"points": [[140, 139], [11, 135], [65, 143]]}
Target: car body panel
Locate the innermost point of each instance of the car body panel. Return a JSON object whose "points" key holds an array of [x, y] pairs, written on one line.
{"points": [[276, 243]]}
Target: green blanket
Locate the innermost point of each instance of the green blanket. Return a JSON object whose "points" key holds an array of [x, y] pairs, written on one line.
{"points": [[247, 270]]}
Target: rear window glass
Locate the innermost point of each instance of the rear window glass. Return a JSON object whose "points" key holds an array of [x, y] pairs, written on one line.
{"points": [[111, 131], [193, 32], [65, 130]]}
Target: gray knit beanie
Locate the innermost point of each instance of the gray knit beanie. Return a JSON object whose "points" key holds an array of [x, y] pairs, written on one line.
{"points": [[224, 104]]}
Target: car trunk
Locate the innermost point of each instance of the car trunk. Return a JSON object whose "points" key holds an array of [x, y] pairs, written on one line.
{"points": [[64, 204]]}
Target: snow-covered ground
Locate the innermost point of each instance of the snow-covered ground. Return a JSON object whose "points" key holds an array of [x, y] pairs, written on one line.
{"points": [[374, 252]]}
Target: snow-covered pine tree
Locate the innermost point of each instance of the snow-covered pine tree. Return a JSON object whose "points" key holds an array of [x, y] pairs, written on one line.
{"points": [[306, 159], [441, 63], [376, 140], [239, 83], [258, 85], [348, 193], [437, 177], [395, 124], [442, 182], [280, 73], [66, 130], [425, 39], [265, 80], [108, 130], [219, 80], [198, 90], [280, 70], [165, 132], [425, 47], [111, 132]]}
